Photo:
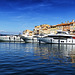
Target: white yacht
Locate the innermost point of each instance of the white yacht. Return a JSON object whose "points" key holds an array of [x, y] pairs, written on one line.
{"points": [[10, 38], [61, 37], [28, 39]]}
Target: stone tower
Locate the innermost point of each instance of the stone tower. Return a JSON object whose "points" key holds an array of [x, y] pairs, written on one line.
{"points": [[67, 21], [73, 20]]}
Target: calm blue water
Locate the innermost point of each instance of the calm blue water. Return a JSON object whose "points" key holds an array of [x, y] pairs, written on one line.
{"points": [[35, 59]]}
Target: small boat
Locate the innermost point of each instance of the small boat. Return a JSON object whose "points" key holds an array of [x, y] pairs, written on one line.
{"points": [[62, 37], [10, 38]]}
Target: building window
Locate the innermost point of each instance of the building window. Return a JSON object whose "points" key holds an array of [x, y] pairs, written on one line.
{"points": [[37, 30], [71, 28], [71, 24]]}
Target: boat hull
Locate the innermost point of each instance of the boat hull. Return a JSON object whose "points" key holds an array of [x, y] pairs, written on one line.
{"points": [[29, 39], [10, 39], [57, 41]]}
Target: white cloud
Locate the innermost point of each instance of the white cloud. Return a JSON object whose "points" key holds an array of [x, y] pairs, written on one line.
{"points": [[2, 31]]}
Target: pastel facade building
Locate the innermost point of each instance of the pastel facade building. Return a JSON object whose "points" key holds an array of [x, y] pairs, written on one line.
{"points": [[27, 32], [42, 29], [30, 33], [47, 29], [72, 28], [59, 27], [69, 26], [53, 29], [36, 30], [64, 26]]}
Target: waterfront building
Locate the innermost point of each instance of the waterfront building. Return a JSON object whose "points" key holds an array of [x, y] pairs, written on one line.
{"points": [[42, 29], [69, 26], [30, 33], [53, 29], [63, 26], [27, 32], [72, 27], [47, 29], [59, 27], [37, 30]]}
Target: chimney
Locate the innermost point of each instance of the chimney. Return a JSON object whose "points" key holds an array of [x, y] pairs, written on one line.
{"points": [[73, 20], [67, 21]]}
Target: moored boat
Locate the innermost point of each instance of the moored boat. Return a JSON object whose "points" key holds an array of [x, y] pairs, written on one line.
{"points": [[61, 37], [10, 38], [28, 39]]}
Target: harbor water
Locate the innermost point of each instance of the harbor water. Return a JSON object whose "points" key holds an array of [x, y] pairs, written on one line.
{"points": [[36, 59]]}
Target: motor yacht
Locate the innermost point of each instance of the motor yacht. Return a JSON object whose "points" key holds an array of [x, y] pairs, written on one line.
{"points": [[29, 39], [62, 37], [10, 38]]}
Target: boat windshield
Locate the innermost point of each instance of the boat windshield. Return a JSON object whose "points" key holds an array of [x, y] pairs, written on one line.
{"points": [[4, 34], [61, 33]]}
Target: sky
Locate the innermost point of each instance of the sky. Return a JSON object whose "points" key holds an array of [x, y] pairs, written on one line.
{"points": [[19, 15]]}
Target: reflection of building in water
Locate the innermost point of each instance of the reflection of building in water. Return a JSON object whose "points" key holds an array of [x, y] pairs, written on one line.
{"points": [[42, 51], [48, 51], [54, 52], [72, 54], [72, 58], [68, 51]]}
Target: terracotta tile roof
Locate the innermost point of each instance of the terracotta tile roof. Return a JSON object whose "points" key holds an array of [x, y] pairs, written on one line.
{"points": [[30, 31], [72, 22], [44, 29], [53, 25], [65, 24]]}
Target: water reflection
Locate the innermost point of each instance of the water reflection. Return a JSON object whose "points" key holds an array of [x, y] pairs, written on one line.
{"points": [[34, 58], [52, 53], [56, 52]]}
